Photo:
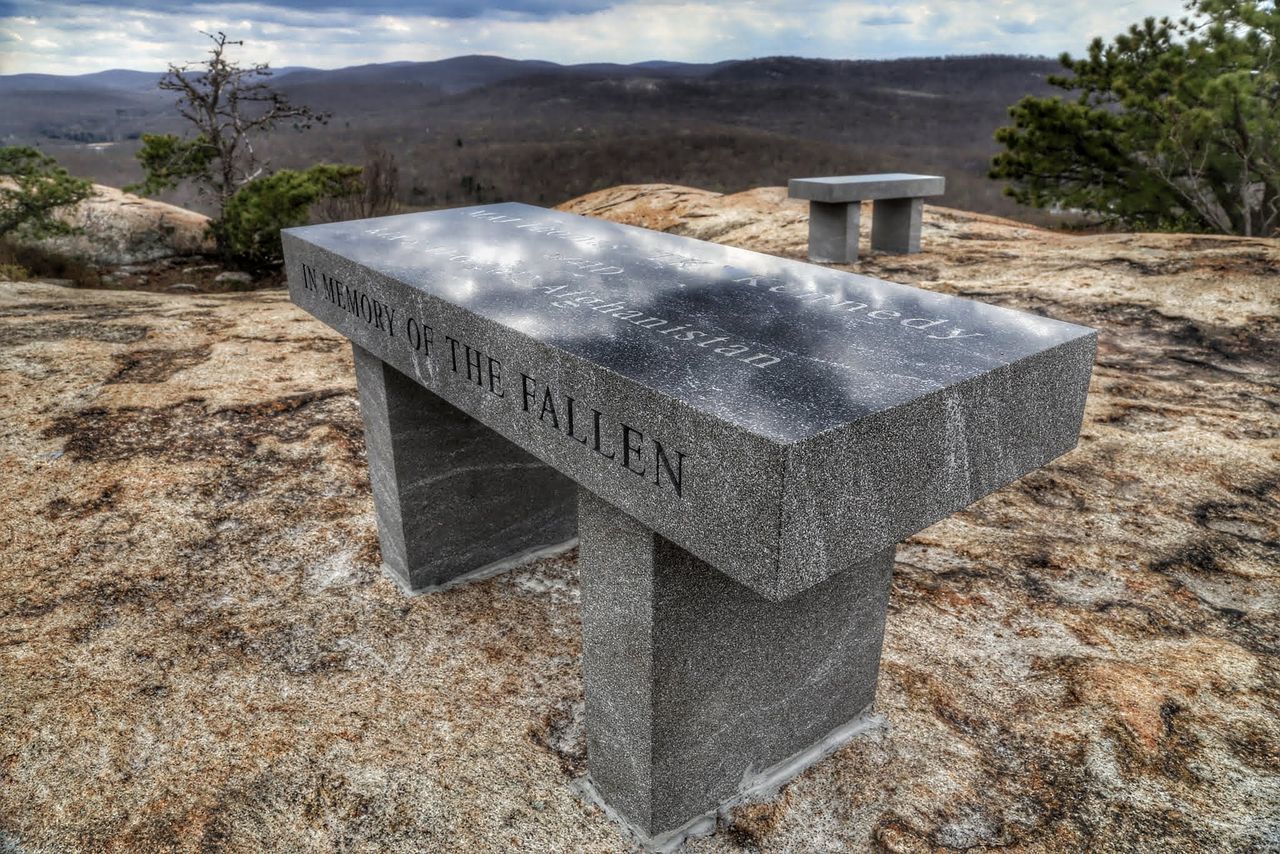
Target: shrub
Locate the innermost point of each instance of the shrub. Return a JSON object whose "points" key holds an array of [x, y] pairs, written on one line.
{"points": [[251, 221], [14, 273]]}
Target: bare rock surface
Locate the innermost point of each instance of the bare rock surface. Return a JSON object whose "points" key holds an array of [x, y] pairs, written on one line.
{"points": [[197, 650], [115, 227]]}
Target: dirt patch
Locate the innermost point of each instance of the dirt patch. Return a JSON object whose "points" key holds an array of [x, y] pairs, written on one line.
{"points": [[154, 366], [15, 334], [189, 431]]}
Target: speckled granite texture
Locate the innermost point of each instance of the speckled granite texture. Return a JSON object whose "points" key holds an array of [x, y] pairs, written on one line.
{"points": [[199, 652], [451, 496], [694, 682], [833, 232]]}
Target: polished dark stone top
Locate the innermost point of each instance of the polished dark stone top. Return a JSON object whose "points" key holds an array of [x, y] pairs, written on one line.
{"points": [[779, 348]]}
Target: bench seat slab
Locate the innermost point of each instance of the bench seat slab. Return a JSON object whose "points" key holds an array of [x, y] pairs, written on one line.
{"points": [[862, 188], [779, 420]]}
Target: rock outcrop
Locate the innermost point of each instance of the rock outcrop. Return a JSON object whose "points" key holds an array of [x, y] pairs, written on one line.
{"points": [[197, 649], [118, 228]]}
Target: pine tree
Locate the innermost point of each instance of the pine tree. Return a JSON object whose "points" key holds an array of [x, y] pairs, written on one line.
{"points": [[1176, 125], [33, 188]]}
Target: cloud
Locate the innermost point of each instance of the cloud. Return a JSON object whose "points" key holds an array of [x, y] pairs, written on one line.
{"points": [[428, 8], [1018, 28], [92, 36], [885, 19]]}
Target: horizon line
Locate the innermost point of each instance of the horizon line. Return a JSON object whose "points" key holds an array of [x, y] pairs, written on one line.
{"points": [[293, 68]]}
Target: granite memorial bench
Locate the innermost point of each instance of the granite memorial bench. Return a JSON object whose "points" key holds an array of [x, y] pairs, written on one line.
{"points": [[738, 440], [835, 209]]}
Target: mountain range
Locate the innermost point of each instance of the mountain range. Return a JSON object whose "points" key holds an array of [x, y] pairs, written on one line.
{"points": [[484, 128]]}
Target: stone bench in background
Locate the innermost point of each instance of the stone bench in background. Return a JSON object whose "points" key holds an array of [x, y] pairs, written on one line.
{"points": [[738, 440], [835, 209]]}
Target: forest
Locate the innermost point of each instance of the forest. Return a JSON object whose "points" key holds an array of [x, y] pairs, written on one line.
{"points": [[484, 129]]}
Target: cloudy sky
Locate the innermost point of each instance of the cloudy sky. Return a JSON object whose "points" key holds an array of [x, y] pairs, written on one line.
{"points": [[70, 38]]}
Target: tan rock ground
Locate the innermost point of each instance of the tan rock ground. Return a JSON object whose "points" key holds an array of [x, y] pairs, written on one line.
{"points": [[197, 651]]}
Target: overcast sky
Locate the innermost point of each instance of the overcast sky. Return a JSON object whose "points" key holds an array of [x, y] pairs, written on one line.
{"points": [[72, 38]]}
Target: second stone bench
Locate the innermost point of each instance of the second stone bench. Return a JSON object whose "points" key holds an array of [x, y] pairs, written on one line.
{"points": [[835, 209]]}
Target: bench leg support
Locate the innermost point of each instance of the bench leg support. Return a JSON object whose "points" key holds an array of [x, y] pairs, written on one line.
{"points": [[895, 225], [453, 498], [697, 687], [833, 232]]}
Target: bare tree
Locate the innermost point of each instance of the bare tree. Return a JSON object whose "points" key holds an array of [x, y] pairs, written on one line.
{"points": [[228, 105]]}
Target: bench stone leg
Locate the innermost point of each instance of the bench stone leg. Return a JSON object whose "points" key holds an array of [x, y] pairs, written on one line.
{"points": [[696, 686], [895, 225], [453, 498], [833, 232]]}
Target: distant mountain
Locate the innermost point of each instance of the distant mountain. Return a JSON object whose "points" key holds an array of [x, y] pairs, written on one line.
{"points": [[448, 75], [487, 128], [118, 78], [463, 73], [457, 74], [123, 78], [691, 68], [120, 104]]}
